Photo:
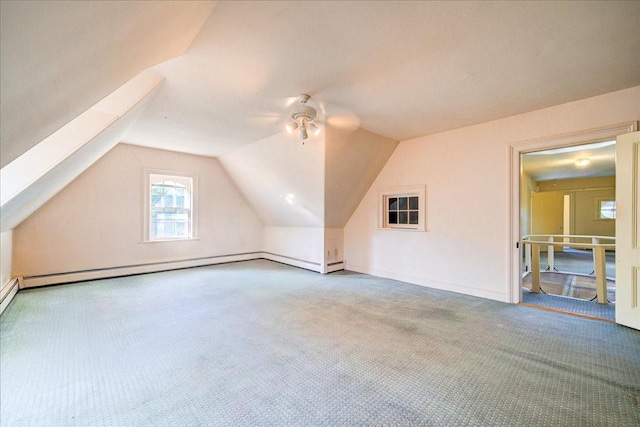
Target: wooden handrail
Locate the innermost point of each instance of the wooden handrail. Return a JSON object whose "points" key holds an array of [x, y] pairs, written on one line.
{"points": [[570, 235]]}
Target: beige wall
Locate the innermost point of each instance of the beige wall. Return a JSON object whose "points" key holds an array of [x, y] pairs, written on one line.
{"points": [[97, 221], [585, 193], [299, 246], [467, 247]]}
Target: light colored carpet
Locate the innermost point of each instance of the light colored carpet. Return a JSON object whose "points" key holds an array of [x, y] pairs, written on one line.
{"points": [[259, 343], [570, 305], [570, 285]]}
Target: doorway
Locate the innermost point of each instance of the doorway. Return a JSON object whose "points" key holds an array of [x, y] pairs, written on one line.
{"points": [[569, 183], [566, 220]]}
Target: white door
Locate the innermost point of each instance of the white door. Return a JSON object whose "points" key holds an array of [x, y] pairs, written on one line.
{"points": [[628, 230]]}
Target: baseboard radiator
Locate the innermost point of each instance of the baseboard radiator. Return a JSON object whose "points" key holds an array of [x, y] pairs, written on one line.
{"points": [[9, 290], [128, 270]]}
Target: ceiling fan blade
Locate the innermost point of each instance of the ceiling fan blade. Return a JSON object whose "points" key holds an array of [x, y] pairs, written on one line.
{"points": [[343, 121]]}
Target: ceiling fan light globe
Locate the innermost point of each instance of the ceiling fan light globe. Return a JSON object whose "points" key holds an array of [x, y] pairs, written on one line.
{"points": [[303, 132], [291, 127], [315, 130]]}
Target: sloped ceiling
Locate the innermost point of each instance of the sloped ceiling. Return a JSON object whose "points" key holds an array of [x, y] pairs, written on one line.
{"points": [[404, 69], [59, 58]]}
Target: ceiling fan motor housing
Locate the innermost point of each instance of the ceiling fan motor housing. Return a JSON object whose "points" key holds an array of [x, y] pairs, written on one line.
{"points": [[303, 112]]}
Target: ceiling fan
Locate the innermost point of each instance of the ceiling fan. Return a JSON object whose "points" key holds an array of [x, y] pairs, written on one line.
{"points": [[307, 116], [303, 117]]}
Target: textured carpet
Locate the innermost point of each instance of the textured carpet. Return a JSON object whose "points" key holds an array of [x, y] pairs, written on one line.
{"points": [[570, 285], [571, 305], [259, 343]]}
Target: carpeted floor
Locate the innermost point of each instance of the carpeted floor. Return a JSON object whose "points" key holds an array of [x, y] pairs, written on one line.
{"points": [[259, 343], [570, 285], [570, 305]]}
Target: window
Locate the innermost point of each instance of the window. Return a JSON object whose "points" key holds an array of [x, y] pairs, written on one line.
{"points": [[403, 208], [607, 209], [170, 207]]}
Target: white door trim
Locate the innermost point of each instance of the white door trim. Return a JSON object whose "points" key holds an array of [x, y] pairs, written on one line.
{"points": [[545, 143]]}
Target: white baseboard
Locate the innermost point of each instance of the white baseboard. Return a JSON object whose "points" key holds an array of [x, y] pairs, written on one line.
{"points": [[12, 286], [101, 273], [334, 266], [307, 265], [445, 286]]}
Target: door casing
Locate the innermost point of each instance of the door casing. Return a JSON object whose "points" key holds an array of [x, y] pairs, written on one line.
{"points": [[515, 167]]}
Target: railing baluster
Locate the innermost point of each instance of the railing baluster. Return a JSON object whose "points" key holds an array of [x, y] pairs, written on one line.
{"points": [[601, 274], [550, 255], [535, 267]]}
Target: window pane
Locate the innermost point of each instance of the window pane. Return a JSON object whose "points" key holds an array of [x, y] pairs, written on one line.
{"points": [[170, 203], [181, 229], [402, 203], [169, 229], [403, 218], [393, 217], [413, 217], [393, 203], [413, 203], [608, 209], [155, 201]]}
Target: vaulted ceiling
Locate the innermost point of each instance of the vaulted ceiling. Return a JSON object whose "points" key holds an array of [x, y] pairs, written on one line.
{"points": [[399, 69]]}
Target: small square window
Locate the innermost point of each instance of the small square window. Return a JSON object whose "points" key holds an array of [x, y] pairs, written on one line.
{"points": [[607, 209], [403, 208]]}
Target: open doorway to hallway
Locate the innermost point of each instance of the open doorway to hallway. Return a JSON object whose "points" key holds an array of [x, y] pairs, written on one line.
{"points": [[568, 228]]}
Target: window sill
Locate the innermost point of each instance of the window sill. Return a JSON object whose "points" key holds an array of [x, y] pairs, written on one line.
{"points": [[402, 229], [169, 240]]}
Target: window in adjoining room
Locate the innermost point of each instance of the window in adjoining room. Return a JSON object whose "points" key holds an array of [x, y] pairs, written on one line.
{"points": [[607, 209], [403, 208], [170, 207]]}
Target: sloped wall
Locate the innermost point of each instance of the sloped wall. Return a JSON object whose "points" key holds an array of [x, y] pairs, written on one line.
{"points": [[353, 159], [466, 247], [97, 221], [283, 179], [305, 193], [60, 58]]}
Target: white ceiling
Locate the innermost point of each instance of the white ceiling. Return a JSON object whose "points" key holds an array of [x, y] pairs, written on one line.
{"points": [[560, 164], [402, 69]]}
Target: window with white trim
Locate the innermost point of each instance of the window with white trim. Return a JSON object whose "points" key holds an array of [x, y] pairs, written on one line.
{"points": [[402, 208], [170, 207], [607, 209]]}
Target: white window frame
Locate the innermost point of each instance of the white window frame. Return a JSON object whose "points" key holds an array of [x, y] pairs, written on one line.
{"points": [[151, 176], [419, 191], [599, 201]]}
